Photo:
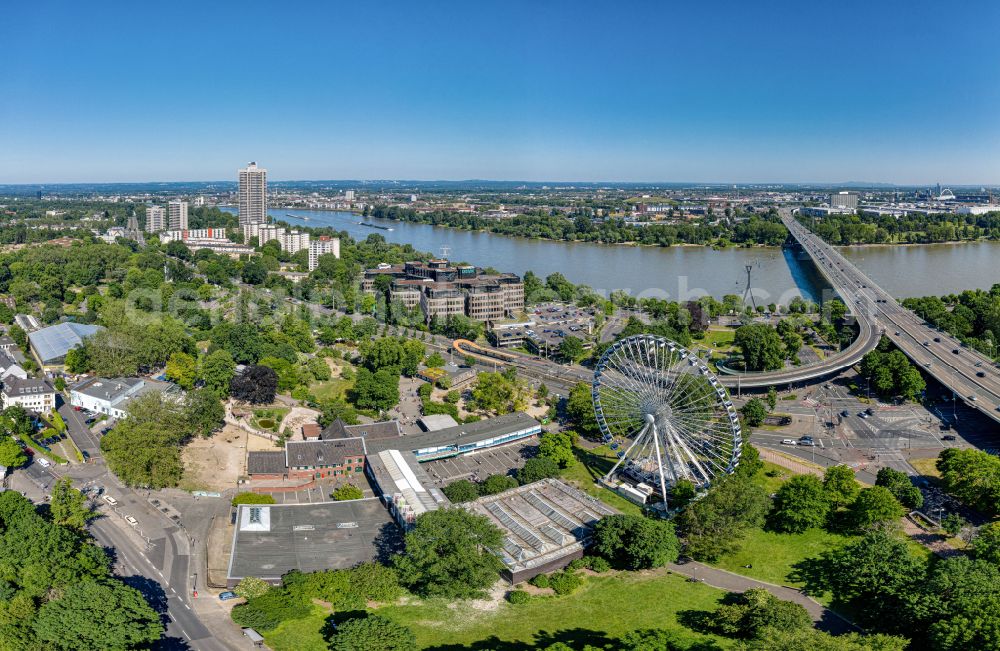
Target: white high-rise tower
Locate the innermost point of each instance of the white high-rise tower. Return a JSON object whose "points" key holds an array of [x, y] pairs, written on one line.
{"points": [[177, 215], [253, 195]]}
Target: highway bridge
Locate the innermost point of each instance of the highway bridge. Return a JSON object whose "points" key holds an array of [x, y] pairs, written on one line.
{"points": [[970, 375]]}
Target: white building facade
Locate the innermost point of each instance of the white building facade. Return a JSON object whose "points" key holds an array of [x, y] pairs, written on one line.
{"points": [[253, 195], [323, 246]]}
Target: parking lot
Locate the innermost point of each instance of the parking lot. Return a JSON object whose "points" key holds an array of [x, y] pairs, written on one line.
{"points": [[480, 465]]}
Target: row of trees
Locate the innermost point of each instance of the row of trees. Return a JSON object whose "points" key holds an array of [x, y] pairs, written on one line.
{"points": [[915, 228], [890, 373]]}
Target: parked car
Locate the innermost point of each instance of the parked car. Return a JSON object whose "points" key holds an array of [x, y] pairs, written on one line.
{"points": [[948, 437], [44, 463], [110, 500], [132, 521], [227, 595]]}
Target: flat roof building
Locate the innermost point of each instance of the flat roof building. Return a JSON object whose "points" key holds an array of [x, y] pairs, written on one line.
{"points": [[177, 215], [112, 396], [404, 486], [271, 540], [50, 345], [253, 194], [546, 525], [462, 439], [156, 219]]}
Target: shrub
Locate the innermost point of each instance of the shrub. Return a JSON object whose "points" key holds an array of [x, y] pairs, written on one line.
{"points": [[376, 582], [372, 633], [565, 582], [346, 492], [270, 609], [536, 469], [252, 498], [518, 597], [598, 564], [540, 581], [577, 564], [461, 490], [496, 484], [251, 587]]}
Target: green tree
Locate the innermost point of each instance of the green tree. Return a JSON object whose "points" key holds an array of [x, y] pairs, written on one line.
{"points": [[761, 347], [97, 615], [901, 487], [143, 449], [497, 484], [634, 542], [749, 614], [799, 504], [772, 398], [986, 543], [217, 371], [873, 506], [537, 469], [754, 412], [434, 360], [11, 454], [257, 385], [76, 360], [250, 587], [810, 639], [182, 369], [973, 476], [378, 390], [876, 575], [840, 486], [498, 393], [461, 490], [69, 506], [448, 554], [254, 272], [580, 410], [347, 492], [204, 411], [571, 349], [372, 633], [717, 523], [557, 446]]}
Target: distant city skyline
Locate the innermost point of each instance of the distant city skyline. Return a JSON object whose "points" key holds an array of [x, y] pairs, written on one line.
{"points": [[557, 92]]}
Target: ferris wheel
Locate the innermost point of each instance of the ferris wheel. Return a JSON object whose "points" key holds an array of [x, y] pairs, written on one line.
{"points": [[665, 415]]}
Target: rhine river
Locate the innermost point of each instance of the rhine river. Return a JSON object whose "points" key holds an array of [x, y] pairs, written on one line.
{"points": [[683, 272]]}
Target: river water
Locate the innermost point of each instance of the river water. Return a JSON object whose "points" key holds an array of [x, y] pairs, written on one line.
{"points": [[684, 272]]}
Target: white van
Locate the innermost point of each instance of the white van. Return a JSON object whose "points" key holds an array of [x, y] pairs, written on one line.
{"points": [[44, 463]]}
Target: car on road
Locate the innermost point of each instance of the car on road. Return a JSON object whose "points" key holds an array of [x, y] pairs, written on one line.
{"points": [[862, 414], [948, 437], [927, 364], [927, 343], [897, 333], [937, 339], [955, 351], [870, 411], [227, 595], [110, 500], [132, 521], [788, 442], [44, 463], [972, 398], [980, 374], [807, 442], [85, 454], [845, 413]]}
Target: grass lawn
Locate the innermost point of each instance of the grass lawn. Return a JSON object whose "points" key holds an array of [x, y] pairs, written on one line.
{"points": [[591, 465], [330, 389], [300, 634], [927, 467], [598, 613], [772, 555], [719, 339]]}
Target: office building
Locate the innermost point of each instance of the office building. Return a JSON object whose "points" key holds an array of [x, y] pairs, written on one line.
{"points": [[156, 219], [441, 289], [253, 195], [177, 215], [323, 246], [349, 195], [844, 200]]}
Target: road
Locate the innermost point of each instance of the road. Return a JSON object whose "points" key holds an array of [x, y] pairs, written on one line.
{"points": [[972, 377], [156, 556]]}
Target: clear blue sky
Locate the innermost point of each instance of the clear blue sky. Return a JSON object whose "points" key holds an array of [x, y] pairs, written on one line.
{"points": [[902, 92]]}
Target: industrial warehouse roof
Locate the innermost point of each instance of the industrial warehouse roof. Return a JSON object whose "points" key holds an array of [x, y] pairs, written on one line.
{"points": [[399, 475], [52, 343], [542, 521], [271, 540], [458, 435]]}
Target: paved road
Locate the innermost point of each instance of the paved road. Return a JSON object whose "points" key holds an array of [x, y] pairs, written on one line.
{"points": [[973, 377]]}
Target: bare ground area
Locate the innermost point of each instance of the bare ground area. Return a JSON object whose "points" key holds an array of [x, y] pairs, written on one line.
{"points": [[215, 463], [295, 419]]}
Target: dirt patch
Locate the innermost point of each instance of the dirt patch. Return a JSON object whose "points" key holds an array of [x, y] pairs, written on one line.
{"points": [[215, 463], [295, 419]]}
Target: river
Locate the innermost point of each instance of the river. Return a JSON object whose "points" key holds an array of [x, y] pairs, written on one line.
{"points": [[684, 272]]}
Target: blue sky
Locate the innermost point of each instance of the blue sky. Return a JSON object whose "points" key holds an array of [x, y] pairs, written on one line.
{"points": [[902, 92]]}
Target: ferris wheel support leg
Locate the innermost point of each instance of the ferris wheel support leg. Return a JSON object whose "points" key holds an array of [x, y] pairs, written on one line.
{"points": [[659, 465], [611, 473]]}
